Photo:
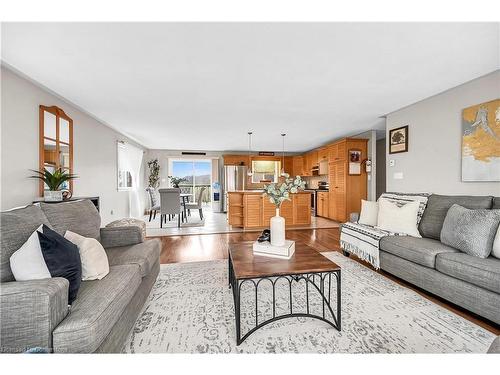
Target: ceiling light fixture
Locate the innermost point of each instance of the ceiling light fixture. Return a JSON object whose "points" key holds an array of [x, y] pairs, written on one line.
{"points": [[249, 172], [283, 155]]}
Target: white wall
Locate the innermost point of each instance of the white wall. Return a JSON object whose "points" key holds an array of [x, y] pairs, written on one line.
{"points": [[433, 162], [94, 149]]}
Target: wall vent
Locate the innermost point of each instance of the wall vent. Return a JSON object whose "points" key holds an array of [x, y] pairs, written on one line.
{"points": [[193, 153]]}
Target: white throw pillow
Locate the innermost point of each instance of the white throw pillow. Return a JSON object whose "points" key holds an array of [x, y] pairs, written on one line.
{"points": [[397, 219], [369, 213], [28, 263], [496, 245], [95, 263]]}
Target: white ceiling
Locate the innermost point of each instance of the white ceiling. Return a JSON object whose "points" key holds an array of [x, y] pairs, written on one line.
{"points": [[202, 86]]}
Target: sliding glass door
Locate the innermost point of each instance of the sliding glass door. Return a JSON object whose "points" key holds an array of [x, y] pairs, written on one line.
{"points": [[197, 175]]}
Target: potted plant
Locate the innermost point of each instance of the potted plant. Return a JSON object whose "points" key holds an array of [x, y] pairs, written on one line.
{"points": [[277, 194], [54, 181], [154, 173], [175, 181]]}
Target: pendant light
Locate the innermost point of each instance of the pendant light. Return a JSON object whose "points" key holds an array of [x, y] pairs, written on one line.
{"points": [[249, 171], [283, 155]]}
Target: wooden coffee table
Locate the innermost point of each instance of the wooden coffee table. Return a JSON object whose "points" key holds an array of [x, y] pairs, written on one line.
{"points": [[306, 264]]}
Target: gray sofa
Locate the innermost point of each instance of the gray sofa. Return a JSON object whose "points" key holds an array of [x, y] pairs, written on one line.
{"points": [[35, 314], [470, 282]]}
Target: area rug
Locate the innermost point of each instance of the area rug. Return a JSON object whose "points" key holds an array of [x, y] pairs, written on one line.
{"points": [[190, 310]]}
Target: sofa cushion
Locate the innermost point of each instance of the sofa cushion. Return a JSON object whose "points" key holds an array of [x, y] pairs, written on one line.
{"points": [[422, 251], [16, 226], [496, 203], [98, 307], [80, 217], [484, 273], [470, 231], [438, 206], [144, 254]]}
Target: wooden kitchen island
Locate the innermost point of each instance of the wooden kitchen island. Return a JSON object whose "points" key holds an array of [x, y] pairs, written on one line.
{"points": [[250, 209]]}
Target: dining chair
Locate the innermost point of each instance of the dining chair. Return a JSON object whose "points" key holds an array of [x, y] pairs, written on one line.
{"points": [[197, 205], [154, 203], [170, 204]]}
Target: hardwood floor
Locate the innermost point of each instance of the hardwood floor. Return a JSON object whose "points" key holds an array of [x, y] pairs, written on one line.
{"points": [[196, 248]]}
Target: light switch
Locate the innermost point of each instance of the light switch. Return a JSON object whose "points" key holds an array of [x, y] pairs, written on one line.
{"points": [[398, 175], [392, 163]]}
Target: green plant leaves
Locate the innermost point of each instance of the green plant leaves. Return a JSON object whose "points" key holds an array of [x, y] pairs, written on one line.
{"points": [[278, 193], [53, 180]]}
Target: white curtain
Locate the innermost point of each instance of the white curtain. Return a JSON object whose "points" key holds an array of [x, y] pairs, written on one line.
{"points": [[133, 156]]}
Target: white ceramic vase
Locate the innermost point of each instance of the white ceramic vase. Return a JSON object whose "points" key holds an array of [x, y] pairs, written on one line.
{"points": [[277, 229]]}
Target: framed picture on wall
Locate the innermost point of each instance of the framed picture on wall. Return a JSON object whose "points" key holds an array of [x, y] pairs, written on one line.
{"points": [[355, 162], [398, 139]]}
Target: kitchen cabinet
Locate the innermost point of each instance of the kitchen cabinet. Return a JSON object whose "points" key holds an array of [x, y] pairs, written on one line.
{"points": [[289, 165], [298, 166], [250, 209], [322, 203], [314, 158], [337, 151], [322, 154], [236, 160], [301, 208]]}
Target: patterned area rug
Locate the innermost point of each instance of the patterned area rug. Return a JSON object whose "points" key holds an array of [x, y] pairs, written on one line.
{"points": [[190, 310]]}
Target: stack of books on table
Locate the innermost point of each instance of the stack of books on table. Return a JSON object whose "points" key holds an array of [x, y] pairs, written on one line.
{"points": [[268, 250]]}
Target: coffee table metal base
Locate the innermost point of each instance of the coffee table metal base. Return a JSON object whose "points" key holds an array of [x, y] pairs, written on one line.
{"points": [[321, 282]]}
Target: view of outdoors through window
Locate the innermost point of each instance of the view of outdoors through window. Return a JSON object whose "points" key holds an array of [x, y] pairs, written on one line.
{"points": [[197, 174]]}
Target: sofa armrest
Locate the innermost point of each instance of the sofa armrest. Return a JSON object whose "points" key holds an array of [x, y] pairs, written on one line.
{"points": [[121, 236], [495, 346], [30, 311], [354, 217]]}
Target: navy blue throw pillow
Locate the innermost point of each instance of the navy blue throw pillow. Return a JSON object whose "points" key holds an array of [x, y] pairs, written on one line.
{"points": [[62, 258]]}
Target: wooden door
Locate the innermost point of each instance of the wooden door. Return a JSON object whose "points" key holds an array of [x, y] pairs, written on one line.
{"points": [[341, 150], [302, 209], [326, 205], [340, 191], [235, 209], [307, 165], [298, 166], [268, 211], [322, 204], [322, 154], [286, 211], [253, 210], [314, 158], [331, 194], [333, 152], [319, 205], [289, 165]]}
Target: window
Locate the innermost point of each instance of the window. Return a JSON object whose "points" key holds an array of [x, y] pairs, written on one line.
{"points": [[197, 175], [265, 171]]}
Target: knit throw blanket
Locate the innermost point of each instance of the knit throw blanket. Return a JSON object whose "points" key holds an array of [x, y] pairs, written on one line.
{"points": [[363, 240]]}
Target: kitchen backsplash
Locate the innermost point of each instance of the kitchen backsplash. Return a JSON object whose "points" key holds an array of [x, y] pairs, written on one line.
{"points": [[312, 182]]}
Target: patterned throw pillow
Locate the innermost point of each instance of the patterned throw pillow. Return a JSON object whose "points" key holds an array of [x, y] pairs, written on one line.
{"points": [[401, 199], [470, 231]]}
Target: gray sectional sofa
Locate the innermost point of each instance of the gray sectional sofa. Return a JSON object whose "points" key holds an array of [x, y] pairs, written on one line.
{"points": [[35, 314], [467, 281]]}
